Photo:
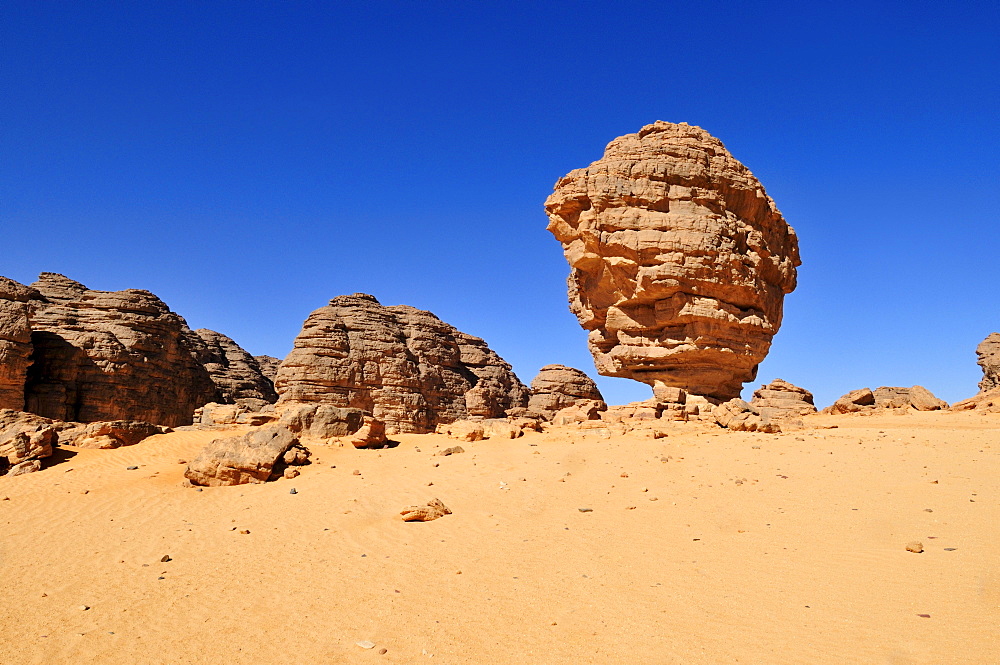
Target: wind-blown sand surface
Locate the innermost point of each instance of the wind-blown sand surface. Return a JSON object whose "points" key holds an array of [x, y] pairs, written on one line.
{"points": [[739, 548]]}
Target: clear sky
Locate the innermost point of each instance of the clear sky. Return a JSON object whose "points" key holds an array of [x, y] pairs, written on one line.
{"points": [[247, 161]]}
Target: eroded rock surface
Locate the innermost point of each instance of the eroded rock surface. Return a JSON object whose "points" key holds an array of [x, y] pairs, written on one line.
{"points": [[25, 439], [988, 353], [103, 355], [739, 416], [15, 341], [432, 511], [866, 400], [111, 434], [781, 399], [237, 375], [255, 457], [404, 366], [679, 260], [557, 387], [268, 366]]}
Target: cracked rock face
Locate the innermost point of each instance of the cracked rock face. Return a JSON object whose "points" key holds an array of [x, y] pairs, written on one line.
{"points": [[236, 374], [988, 353], [679, 260], [405, 366]]}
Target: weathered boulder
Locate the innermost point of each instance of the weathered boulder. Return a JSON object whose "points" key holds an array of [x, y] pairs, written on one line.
{"points": [[268, 366], [109, 434], [856, 400], [463, 430], [679, 260], [322, 421], [986, 402], [580, 411], [255, 457], [236, 374], [781, 399], [15, 341], [24, 440], [101, 355], [557, 387], [405, 366], [433, 510], [739, 416], [988, 354], [371, 434]]}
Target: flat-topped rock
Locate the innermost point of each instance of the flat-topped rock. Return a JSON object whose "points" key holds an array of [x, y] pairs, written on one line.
{"points": [[781, 399], [679, 260], [404, 366]]}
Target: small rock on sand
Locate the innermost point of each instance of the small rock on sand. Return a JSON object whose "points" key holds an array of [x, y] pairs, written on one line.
{"points": [[915, 546], [366, 644]]}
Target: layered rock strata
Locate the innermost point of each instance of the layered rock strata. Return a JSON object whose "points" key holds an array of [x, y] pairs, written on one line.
{"points": [[15, 341], [268, 366], [988, 355], [237, 375], [679, 260], [781, 399], [558, 387], [402, 365], [102, 355], [25, 439]]}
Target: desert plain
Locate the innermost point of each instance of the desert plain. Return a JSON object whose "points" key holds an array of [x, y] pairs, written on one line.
{"points": [[563, 546]]}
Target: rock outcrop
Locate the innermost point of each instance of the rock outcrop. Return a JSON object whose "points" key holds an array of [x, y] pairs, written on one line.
{"points": [[739, 416], [100, 355], [985, 402], [237, 375], [268, 366], [558, 387], [867, 400], [404, 366], [781, 399], [988, 353], [679, 260], [112, 434], [432, 511], [25, 439], [255, 457], [15, 341]]}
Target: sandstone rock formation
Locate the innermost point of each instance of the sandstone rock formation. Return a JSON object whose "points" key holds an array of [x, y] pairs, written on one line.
{"points": [[739, 416], [866, 400], [986, 402], [237, 375], [557, 387], [112, 434], [255, 457], [433, 510], [100, 355], [402, 365], [321, 421], [679, 260], [15, 341], [268, 366], [988, 353], [25, 439], [781, 399]]}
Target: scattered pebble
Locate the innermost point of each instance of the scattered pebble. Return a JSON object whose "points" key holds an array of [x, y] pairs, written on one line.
{"points": [[586, 510], [915, 546], [383, 651], [950, 549], [84, 608], [245, 532], [166, 558], [293, 491], [924, 616], [131, 468], [366, 644], [356, 472]]}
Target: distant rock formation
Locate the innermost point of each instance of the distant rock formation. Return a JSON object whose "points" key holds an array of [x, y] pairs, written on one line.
{"points": [[988, 353], [867, 400], [268, 366], [403, 365], [236, 374], [739, 416], [103, 355], [781, 399], [557, 387], [15, 341], [679, 260]]}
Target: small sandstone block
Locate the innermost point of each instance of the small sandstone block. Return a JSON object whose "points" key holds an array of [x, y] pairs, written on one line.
{"points": [[432, 511], [915, 546]]}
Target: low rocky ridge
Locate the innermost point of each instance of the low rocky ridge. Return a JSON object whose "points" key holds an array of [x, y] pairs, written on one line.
{"points": [[404, 366], [988, 398], [679, 260], [557, 387], [865, 400]]}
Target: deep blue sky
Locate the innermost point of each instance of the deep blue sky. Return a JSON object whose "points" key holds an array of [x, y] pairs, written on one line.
{"points": [[247, 161]]}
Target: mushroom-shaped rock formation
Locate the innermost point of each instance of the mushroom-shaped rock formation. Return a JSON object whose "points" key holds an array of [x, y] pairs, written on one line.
{"points": [[679, 260], [403, 365]]}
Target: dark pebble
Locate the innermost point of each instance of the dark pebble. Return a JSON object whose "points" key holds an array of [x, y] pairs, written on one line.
{"points": [[586, 510], [292, 491], [131, 468], [166, 557], [950, 549]]}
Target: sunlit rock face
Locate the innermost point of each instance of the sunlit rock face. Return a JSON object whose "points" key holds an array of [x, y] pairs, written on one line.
{"points": [[679, 260]]}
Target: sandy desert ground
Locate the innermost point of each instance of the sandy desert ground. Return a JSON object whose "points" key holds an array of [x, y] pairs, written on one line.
{"points": [[702, 547]]}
